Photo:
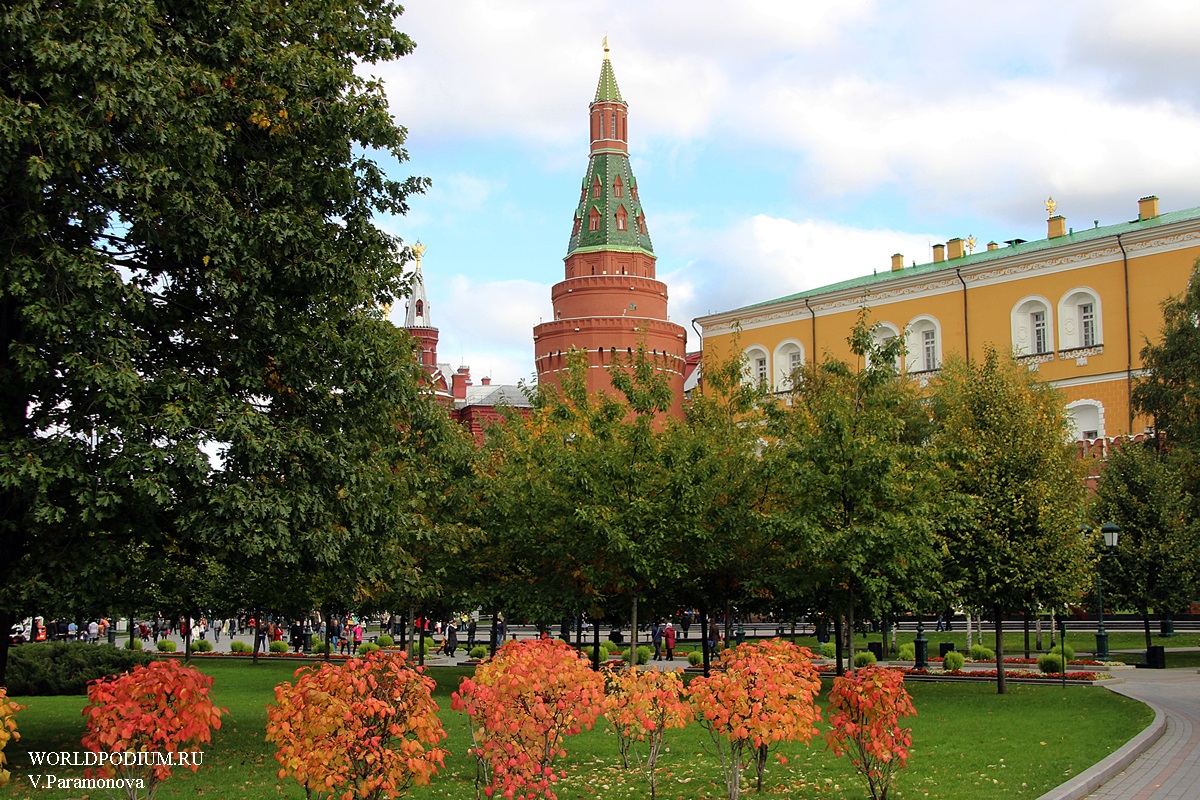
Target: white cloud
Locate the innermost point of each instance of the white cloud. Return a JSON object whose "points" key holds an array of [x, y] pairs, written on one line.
{"points": [[761, 258]]}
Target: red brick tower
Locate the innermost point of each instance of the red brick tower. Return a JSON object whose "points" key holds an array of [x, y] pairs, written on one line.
{"points": [[610, 300]]}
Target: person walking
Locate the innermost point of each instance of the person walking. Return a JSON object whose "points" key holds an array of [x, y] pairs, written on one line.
{"points": [[656, 638], [358, 634], [471, 626], [451, 644], [669, 641]]}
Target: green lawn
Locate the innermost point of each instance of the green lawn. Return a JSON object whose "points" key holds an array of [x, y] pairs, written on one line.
{"points": [[968, 743]]}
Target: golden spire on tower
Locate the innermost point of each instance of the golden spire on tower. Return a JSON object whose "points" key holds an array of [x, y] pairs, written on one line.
{"points": [[604, 44]]}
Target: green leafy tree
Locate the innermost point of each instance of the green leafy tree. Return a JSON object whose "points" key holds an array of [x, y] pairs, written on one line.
{"points": [[861, 484], [1013, 495], [1167, 391], [1157, 561], [192, 355]]}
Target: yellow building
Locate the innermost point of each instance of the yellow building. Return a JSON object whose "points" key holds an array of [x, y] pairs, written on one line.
{"points": [[1077, 306]]}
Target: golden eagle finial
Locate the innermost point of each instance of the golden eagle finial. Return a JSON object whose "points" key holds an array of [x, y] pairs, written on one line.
{"points": [[971, 242], [1050, 206], [419, 250]]}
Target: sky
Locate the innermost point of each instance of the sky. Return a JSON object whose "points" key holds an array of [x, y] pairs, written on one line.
{"points": [[779, 145]]}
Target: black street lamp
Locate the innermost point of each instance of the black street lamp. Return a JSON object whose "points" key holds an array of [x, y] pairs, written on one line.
{"points": [[1111, 531]]}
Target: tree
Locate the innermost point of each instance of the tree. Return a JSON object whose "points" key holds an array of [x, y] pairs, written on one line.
{"points": [[192, 352], [1167, 391], [1013, 492], [1157, 560], [147, 720], [641, 705], [864, 716], [762, 695], [860, 484], [522, 704], [367, 728]]}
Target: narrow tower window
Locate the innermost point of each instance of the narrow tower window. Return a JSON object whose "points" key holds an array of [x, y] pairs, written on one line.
{"points": [[618, 187], [593, 219], [621, 218], [597, 187]]}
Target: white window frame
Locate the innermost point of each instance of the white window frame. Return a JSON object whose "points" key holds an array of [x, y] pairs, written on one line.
{"points": [[784, 366], [1071, 321], [914, 342], [1077, 427], [881, 334], [751, 373], [1023, 339]]}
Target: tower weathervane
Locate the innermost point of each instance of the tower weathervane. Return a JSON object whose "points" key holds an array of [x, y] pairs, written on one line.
{"points": [[604, 44]]}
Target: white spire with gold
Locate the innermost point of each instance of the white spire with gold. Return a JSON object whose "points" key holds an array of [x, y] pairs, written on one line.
{"points": [[416, 314]]}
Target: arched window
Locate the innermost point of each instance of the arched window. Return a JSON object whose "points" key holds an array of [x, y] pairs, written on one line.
{"points": [[1087, 419], [924, 344], [618, 187], [882, 334], [789, 358], [620, 218], [594, 219], [1079, 319], [597, 187], [633, 190], [641, 221], [757, 365], [1032, 327]]}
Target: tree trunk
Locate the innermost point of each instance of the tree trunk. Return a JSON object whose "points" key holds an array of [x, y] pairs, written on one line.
{"points": [[850, 627], [1001, 686], [704, 639], [967, 612], [837, 646], [1039, 630], [633, 633], [1026, 634], [596, 644], [327, 617], [254, 633], [7, 620]]}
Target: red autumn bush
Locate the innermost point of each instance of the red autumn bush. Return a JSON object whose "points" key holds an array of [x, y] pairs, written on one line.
{"points": [[366, 728], [865, 710], [161, 708], [522, 704], [761, 693], [641, 706]]}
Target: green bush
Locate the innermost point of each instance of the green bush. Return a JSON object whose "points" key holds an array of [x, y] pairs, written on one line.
{"points": [[908, 652], [864, 658], [607, 647], [981, 653], [828, 650], [953, 661], [1050, 663], [383, 640], [418, 647], [57, 668], [643, 654], [480, 652], [201, 646], [239, 647], [319, 648], [367, 647], [1070, 651], [165, 646], [278, 647], [695, 658], [136, 644]]}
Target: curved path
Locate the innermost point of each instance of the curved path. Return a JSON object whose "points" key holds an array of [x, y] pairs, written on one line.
{"points": [[1161, 763]]}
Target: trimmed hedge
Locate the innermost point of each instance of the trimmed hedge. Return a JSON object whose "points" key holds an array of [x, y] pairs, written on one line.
{"points": [[202, 646], [239, 647], [383, 640], [908, 652], [1070, 651], [479, 651], [981, 653], [953, 661], [58, 668], [367, 647], [165, 646], [1050, 663], [864, 658], [695, 658]]}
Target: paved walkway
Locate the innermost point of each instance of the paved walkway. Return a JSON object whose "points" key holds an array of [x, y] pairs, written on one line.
{"points": [[1161, 763]]}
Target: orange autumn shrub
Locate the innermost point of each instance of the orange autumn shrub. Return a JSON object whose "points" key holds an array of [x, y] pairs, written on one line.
{"points": [[641, 706], [365, 728], [148, 720], [522, 704], [8, 729], [759, 694], [865, 709]]}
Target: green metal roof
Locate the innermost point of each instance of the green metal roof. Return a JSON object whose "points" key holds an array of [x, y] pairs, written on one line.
{"points": [[606, 168], [984, 256], [607, 89]]}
